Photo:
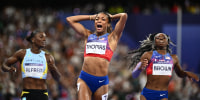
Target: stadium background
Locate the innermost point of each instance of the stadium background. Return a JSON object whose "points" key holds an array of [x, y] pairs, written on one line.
{"points": [[18, 17]]}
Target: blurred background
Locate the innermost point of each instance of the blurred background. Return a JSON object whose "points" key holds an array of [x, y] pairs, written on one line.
{"points": [[180, 19]]}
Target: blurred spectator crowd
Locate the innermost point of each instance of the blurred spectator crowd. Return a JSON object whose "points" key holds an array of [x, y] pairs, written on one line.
{"points": [[67, 48], [146, 7]]}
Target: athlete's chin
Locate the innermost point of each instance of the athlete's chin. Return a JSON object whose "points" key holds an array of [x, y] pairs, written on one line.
{"points": [[99, 30], [162, 45], [43, 46]]}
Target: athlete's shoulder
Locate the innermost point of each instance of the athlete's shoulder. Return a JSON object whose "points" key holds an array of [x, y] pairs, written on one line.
{"points": [[48, 55], [175, 58], [20, 52], [148, 53], [45, 52]]}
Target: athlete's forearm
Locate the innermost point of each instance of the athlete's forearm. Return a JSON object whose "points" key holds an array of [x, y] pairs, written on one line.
{"points": [[192, 75], [136, 72], [181, 73], [119, 15], [56, 75], [5, 68], [79, 18]]}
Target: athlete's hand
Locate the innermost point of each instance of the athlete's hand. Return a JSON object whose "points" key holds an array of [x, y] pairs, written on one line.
{"points": [[144, 63], [192, 76], [12, 69], [92, 17], [111, 17]]}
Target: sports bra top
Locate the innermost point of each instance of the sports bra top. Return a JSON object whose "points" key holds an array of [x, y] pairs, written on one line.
{"points": [[160, 64], [34, 65], [98, 47]]}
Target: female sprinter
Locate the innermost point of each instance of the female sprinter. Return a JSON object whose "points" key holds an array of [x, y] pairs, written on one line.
{"points": [[155, 56], [34, 66], [99, 47]]}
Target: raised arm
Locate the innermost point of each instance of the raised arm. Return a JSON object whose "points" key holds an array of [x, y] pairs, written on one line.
{"points": [[119, 27], [79, 28], [181, 73], [54, 71], [6, 67]]}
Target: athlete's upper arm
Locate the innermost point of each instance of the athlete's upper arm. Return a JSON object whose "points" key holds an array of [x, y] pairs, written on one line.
{"points": [[52, 67], [79, 28], [50, 61], [146, 55], [177, 66], [119, 27], [17, 56]]}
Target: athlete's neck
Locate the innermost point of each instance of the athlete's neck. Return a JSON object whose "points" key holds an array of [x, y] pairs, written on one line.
{"points": [[163, 52], [160, 48], [100, 34], [35, 50]]}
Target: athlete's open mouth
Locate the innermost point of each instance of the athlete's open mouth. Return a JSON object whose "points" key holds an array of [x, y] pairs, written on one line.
{"points": [[99, 26]]}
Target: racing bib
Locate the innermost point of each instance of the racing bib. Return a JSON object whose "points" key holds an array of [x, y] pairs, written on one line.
{"points": [[162, 69], [96, 48], [34, 70]]}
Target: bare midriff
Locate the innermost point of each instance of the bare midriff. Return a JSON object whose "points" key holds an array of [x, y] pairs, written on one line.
{"points": [[34, 83], [157, 82], [95, 66]]}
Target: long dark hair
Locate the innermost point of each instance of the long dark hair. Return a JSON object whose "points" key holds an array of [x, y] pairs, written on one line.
{"points": [[146, 45]]}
